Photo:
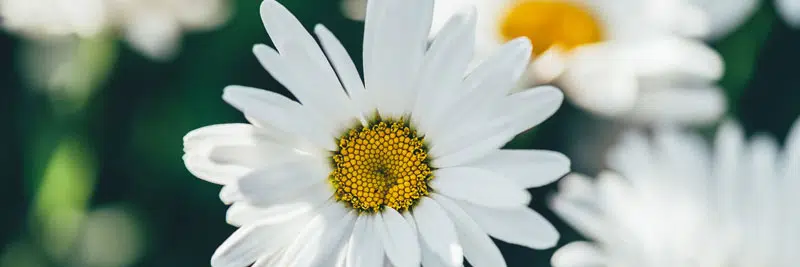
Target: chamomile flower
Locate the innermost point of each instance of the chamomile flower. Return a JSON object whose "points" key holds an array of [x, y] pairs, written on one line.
{"points": [[152, 27], [404, 168], [727, 16], [38, 18], [619, 58], [789, 10], [676, 203]]}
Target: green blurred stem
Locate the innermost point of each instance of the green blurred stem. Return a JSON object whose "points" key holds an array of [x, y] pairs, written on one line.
{"points": [[63, 191]]}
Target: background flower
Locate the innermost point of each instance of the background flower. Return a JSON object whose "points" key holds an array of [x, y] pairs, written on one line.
{"points": [[628, 59], [152, 27], [675, 202]]}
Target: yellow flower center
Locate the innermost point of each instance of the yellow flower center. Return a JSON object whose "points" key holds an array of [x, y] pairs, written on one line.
{"points": [[551, 22], [383, 164]]}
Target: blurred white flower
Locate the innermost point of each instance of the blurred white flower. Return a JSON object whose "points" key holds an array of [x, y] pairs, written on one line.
{"points": [[677, 203], [110, 236], [40, 18], [69, 45], [152, 27], [620, 58], [726, 16], [789, 10]]}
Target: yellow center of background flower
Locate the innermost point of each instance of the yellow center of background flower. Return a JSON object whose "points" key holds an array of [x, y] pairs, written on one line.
{"points": [[551, 22], [384, 164]]}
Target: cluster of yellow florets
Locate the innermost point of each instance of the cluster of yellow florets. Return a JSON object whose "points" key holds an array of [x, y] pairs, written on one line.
{"points": [[384, 164]]}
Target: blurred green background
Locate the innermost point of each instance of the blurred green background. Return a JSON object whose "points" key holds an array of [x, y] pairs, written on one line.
{"points": [[99, 181]]}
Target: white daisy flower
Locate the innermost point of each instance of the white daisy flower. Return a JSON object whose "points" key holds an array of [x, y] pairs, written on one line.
{"points": [[152, 27], [789, 10], [725, 16], [38, 18], [612, 57], [676, 203], [404, 167]]}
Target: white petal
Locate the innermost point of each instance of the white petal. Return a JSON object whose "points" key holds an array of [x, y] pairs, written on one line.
{"points": [[199, 144], [340, 258], [202, 167], [396, 51], [479, 249], [728, 146], [254, 241], [480, 187], [242, 213], [680, 105], [354, 9], [576, 186], [600, 79], [789, 11], [443, 69], [303, 56], [330, 240], [727, 16], [344, 66], [578, 254], [230, 193], [314, 241], [546, 67], [376, 13], [478, 95], [156, 36], [324, 99], [762, 206], [437, 231], [524, 110], [685, 155], [399, 239], [280, 112], [680, 17], [528, 168], [431, 259], [791, 155], [584, 217], [365, 247], [790, 160], [633, 156], [223, 134], [521, 226], [240, 249], [223, 153], [676, 56], [280, 183], [269, 261]]}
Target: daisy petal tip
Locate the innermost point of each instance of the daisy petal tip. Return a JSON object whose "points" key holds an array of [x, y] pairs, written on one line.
{"points": [[267, 5], [555, 90], [260, 48], [229, 94], [565, 164], [468, 13], [522, 43], [549, 241], [456, 254], [320, 29], [471, 12]]}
